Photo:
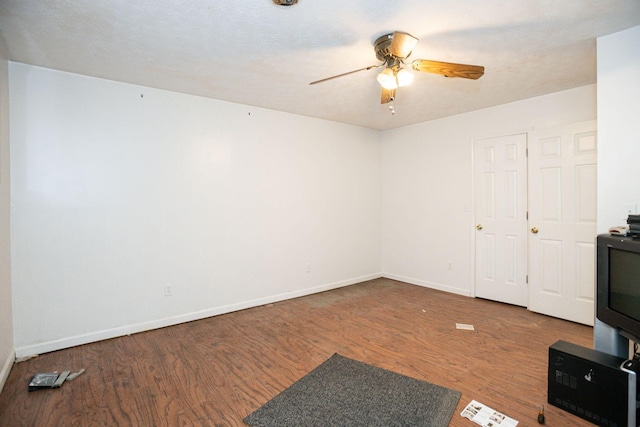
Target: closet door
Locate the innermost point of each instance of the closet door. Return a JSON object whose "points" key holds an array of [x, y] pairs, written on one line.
{"points": [[562, 221], [500, 187]]}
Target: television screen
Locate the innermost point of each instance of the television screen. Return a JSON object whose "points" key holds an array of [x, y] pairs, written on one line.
{"points": [[624, 282]]}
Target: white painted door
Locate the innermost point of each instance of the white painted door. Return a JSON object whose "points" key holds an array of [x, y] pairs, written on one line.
{"points": [[562, 221], [500, 177]]}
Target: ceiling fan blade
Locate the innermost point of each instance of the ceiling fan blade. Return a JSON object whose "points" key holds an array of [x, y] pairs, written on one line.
{"points": [[388, 95], [448, 69], [402, 44], [346, 74]]}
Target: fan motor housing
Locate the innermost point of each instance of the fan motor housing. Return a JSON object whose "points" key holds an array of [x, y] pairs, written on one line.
{"points": [[381, 47], [383, 53]]}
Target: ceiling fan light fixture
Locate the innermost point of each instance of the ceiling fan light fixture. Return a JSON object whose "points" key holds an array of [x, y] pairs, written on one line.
{"points": [[390, 78], [387, 79], [404, 77]]}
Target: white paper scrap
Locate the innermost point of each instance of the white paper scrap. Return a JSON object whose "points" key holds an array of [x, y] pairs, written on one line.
{"points": [[486, 417], [465, 326]]}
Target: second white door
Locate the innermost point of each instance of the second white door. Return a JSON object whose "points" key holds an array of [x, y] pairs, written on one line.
{"points": [[562, 220]]}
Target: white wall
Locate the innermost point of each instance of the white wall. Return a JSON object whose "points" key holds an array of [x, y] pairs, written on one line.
{"points": [[120, 190], [427, 185], [618, 126], [619, 145], [6, 313]]}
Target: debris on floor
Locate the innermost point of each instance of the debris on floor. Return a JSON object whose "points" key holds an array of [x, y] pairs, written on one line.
{"points": [[487, 417], [54, 379], [74, 375], [25, 358], [465, 326]]}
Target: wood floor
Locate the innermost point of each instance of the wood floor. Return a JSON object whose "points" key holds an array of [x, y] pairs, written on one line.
{"points": [[215, 371]]}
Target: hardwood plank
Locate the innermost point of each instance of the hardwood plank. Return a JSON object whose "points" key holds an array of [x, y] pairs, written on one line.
{"points": [[214, 372]]}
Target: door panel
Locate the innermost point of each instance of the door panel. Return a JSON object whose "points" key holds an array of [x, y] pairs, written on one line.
{"points": [[551, 264], [500, 173]]}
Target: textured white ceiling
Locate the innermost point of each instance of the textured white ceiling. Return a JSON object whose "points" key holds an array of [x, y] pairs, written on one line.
{"points": [[256, 53]]}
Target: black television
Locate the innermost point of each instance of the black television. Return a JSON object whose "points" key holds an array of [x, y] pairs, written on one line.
{"points": [[618, 284]]}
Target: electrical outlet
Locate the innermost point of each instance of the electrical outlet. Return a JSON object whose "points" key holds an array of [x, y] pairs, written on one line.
{"points": [[308, 267], [450, 265], [168, 290]]}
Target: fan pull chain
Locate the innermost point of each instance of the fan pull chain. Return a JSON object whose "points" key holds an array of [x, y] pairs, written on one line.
{"points": [[392, 109]]}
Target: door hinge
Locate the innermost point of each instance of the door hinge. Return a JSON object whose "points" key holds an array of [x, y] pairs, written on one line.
{"points": [[527, 278]]}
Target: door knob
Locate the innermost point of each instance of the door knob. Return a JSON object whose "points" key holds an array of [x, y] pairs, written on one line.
{"points": [[479, 226], [535, 230]]}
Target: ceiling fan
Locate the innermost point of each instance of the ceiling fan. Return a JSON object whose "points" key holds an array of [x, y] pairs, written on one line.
{"points": [[393, 49]]}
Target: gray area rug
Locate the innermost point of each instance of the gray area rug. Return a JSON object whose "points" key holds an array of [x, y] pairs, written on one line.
{"points": [[344, 392]]}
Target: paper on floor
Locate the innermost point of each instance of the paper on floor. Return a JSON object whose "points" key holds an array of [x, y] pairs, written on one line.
{"points": [[465, 326], [486, 417]]}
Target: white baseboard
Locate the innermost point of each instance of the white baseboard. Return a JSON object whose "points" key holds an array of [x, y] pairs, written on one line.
{"points": [[426, 284], [76, 340], [6, 368]]}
